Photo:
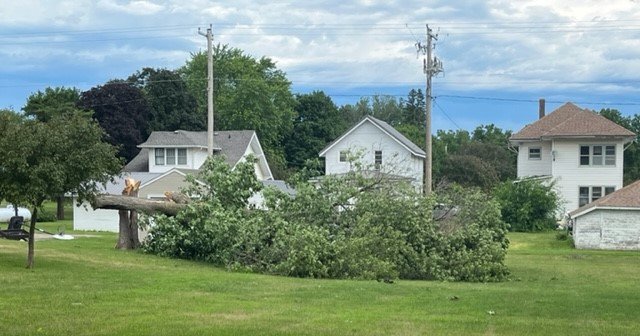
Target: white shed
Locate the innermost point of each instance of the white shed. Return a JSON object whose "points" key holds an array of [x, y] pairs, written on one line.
{"points": [[609, 223]]}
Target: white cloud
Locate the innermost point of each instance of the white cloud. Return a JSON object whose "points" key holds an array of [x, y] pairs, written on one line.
{"points": [[137, 7]]}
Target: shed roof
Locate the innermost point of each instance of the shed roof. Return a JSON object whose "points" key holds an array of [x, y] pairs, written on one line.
{"points": [[624, 198], [571, 121]]}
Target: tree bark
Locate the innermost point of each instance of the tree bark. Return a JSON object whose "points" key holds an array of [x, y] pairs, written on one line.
{"points": [[32, 231], [117, 202], [60, 207], [128, 225]]}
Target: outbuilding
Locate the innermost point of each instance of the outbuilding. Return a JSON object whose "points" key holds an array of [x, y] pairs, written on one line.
{"points": [[609, 223]]}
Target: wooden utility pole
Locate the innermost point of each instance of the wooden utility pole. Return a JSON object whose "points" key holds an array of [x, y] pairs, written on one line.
{"points": [[209, 36], [431, 67]]}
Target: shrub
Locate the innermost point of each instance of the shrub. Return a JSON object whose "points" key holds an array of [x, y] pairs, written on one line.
{"points": [[528, 205]]}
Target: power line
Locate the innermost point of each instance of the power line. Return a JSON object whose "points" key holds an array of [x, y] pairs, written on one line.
{"points": [[446, 114]]}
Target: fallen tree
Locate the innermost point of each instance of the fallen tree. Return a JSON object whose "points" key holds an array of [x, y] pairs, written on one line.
{"points": [[117, 202]]}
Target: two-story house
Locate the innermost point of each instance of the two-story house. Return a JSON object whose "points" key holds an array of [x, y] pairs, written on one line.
{"points": [[578, 149], [378, 146], [164, 161]]}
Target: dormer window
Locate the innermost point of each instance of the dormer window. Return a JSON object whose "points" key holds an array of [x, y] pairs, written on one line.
{"points": [[159, 156], [167, 156]]}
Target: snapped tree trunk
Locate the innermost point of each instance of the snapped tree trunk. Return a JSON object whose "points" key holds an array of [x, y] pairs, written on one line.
{"points": [[117, 202], [128, 223]]}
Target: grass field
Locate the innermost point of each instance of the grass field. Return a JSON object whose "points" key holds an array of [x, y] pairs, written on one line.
{"points": [[85, 287]]}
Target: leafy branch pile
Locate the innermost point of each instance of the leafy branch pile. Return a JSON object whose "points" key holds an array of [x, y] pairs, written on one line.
{"points": [[348, 227]]}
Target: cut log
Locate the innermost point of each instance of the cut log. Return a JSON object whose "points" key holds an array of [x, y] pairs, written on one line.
{"points": [[150, 207]]}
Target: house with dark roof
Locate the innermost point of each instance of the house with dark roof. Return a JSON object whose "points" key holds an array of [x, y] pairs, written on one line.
{"points": [[578, 149], [164, 151], [163, 163], [377, 145], [611, 222]]}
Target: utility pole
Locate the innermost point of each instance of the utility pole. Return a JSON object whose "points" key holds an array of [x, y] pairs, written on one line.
{"points": [[209, 36], [431, 67]]}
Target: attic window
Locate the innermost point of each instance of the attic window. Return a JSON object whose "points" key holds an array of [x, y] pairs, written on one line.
{"points": [[378, 159], [182, 156], [535, 153], [343, 155]]}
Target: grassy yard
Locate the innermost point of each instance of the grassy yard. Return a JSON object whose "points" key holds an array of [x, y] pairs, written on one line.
{"points": [[85, 287]]}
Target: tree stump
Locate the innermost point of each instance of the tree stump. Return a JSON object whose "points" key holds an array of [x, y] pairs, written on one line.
{"points": [[128, 223]]}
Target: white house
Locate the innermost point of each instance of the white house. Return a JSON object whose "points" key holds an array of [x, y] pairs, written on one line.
{"points": [[377, 145], [578, 149], [164, 161], [611, 222]]}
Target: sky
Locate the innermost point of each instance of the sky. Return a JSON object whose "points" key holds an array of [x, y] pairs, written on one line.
{"points": [[499, 57]]}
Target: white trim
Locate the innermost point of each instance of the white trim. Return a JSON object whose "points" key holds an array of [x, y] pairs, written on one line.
{"points": [[586, 211], [326, 149]]}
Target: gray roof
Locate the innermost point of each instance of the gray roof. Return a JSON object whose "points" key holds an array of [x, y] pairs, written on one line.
{"points": [[281, 185], [388, 129], [232, 144], [116, 187]]}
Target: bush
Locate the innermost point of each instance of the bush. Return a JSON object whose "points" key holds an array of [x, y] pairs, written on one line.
{"points": [[528, 205], [349, 227]]}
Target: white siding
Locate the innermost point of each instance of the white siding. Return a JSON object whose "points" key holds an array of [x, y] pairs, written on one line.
{"points": [[195, 159], [365, 140], [569, 175], [85, 218], [608, 229], [529, 167]]}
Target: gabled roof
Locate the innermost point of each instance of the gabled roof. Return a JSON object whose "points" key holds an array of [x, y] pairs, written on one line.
{"points": [[387, 129], [570, 121], [626, 198], [233, 144]]}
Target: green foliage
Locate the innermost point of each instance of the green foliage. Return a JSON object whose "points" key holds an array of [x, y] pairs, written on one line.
{"points": [[354, 226], [122, 110], [249, 93], [528, 205], [317, 124], [173, 107], [44, 106]]}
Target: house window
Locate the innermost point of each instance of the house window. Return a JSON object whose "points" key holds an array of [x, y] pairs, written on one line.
{"points": [[343, 156], [587, 195], [598, 155], [534, 153], [171, 156], [377, 159], [182, 156], [159, 156]]}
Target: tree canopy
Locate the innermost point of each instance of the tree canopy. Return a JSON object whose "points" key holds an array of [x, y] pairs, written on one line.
{"points": [[44, 106], [173, 107], [317, 123], [43, 160], [123, 111], [249, 93]]}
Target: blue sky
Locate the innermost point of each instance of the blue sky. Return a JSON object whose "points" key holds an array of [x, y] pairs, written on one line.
{"points": [[499, 56]]}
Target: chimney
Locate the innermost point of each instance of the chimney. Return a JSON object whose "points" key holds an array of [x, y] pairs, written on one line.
{"points": [[541, 108]]}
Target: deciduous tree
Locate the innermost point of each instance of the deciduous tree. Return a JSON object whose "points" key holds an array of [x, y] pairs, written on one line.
{"points": [[123, 112], [43, 160]]}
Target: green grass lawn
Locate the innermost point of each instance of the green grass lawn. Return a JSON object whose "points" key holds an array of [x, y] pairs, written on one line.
{"points": [[85, 287]]}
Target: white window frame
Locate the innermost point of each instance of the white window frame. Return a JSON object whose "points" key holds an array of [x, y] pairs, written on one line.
{"points": [[159, 156], [594, 193], [535, 156], [377, 159], [598, 155], [170, 156], [344, 154], [181, 156]]}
